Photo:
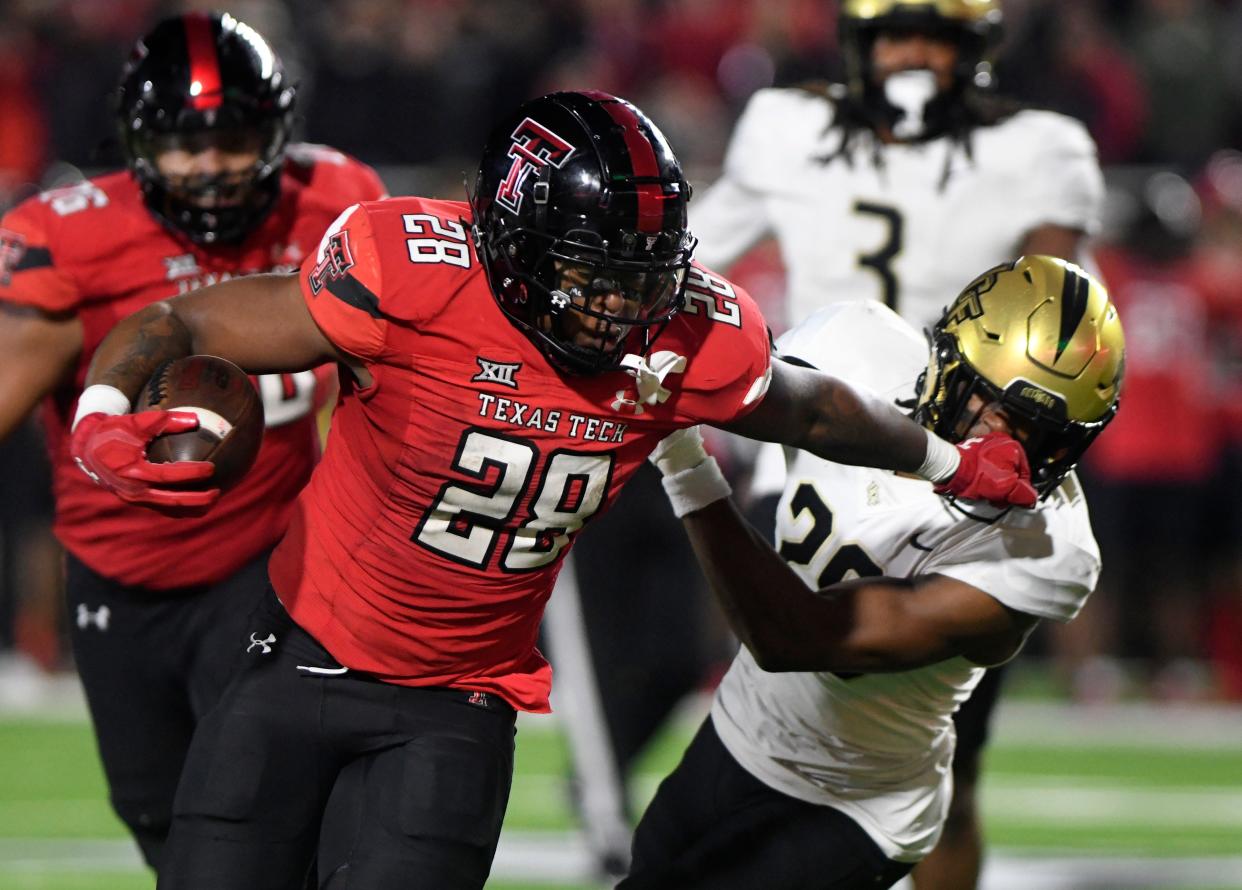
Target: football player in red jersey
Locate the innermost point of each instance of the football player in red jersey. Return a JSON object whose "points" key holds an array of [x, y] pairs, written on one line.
{"points": [[510, 363], [213, 192]]}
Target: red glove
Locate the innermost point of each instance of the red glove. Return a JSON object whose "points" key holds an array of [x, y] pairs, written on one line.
{"points": [[112, 450], [993, 469]]}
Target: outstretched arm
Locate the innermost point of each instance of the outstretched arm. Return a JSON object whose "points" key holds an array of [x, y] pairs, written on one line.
{"points": [[815, 412], [811, 410]]}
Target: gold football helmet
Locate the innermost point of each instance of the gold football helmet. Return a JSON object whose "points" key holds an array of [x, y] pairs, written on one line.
{"points": [[974, 13], [1040, 337], [975, 25]]}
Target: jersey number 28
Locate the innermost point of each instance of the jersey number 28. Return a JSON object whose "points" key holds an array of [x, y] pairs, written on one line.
{"points": [[469, 519]]}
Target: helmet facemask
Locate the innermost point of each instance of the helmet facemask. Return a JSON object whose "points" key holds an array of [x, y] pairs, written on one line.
{"points": [[198, 82], [221, 207], [586, 303]]}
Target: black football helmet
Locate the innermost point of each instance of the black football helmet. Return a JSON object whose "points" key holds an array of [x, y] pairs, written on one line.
{"points": [[974, 25], [204, 79], [580, 222]]}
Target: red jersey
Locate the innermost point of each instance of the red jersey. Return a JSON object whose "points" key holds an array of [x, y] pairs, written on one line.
{"points": [[431, 534], [93, 249]]}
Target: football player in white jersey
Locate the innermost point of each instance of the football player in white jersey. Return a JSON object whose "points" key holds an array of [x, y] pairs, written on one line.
{"points": [[912, 175], [895, 186], [825, 760]]}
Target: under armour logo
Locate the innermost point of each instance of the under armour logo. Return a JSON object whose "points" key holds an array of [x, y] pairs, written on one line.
{"points": [[265, 643], [621, 401], [648, 373], [180, 266], [496, 372], [99, 617]]}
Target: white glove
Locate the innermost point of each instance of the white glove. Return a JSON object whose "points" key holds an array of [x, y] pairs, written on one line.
{"points": [[692, 478]]}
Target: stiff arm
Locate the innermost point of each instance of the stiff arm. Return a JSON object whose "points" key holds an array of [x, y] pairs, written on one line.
{"points": [[808, 409]]}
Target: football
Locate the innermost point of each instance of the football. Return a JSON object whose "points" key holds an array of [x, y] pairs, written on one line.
{"points": [[230, 416]]}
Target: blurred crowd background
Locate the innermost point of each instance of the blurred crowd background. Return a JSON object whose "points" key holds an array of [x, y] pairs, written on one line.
{"points": [[411, 86]]}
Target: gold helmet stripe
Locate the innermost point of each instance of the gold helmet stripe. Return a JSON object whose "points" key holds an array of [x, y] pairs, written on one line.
{"points": [[1074, 291]]}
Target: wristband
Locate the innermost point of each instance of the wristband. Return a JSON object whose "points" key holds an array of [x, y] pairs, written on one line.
{"points": [[941, 461], [680, 450], [695, 488], [100, 399]]}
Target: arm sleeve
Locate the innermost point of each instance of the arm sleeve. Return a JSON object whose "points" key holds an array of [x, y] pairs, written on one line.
{"points": [[341, 283], [29, 274]]}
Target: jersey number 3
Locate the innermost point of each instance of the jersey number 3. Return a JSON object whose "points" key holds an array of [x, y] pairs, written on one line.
{"points": [[880, 261], [468, 520]]}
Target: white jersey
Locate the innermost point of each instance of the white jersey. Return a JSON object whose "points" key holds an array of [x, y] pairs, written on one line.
{"points": [[910, 231], [879, 746]]}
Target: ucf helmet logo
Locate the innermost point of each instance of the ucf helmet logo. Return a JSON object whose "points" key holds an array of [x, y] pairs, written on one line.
{"points": [[534, 145], [969, 304]]}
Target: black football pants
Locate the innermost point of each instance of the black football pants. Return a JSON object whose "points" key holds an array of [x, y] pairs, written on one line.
{"points": [[424, 777], [152, 664], [714, 826]]}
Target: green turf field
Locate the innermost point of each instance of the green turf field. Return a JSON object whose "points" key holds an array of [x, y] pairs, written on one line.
{"points": [[1093, 797]]}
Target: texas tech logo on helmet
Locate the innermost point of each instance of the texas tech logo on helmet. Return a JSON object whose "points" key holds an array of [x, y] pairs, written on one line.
{"points": [[534, 145]]}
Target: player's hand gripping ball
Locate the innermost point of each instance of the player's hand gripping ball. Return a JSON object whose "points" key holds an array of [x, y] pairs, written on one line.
{"points": [[229, 412]]}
